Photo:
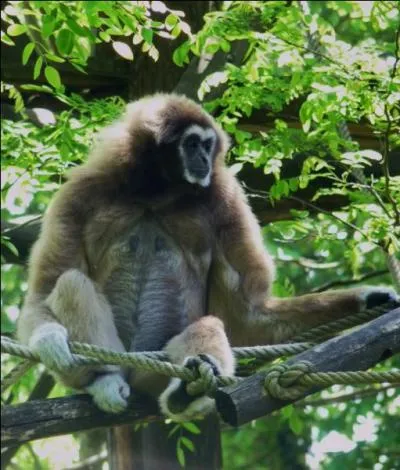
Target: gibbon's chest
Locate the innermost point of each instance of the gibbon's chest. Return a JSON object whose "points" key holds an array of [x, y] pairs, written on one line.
{"points": [[118, 237]]}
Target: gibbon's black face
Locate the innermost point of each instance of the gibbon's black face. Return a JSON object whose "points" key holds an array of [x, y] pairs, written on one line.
{"points": [[196, 151]]}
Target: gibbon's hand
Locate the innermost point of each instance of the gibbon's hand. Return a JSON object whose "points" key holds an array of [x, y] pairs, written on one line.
{"points": [[373, 296], [50, 342]]}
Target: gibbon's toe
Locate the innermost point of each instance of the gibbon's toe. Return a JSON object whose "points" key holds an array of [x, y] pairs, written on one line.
{"points": [[375, 296]]}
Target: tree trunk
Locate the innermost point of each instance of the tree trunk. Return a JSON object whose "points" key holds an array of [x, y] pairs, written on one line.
{"points": [[151, 447]]}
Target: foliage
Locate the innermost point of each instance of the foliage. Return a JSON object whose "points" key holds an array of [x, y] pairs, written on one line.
{"points": [[68, 31], [343, 80], [327, 63]]}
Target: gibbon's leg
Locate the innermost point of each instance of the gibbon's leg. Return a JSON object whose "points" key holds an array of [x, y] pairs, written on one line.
{"points": [[84, 315], [205, 338], [284, 318]]}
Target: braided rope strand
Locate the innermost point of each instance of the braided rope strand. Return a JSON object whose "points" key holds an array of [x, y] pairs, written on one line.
{"points": [[291, 382], [341, 324]]}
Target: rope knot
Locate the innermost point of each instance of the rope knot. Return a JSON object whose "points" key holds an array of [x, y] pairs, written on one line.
{"points": [[284, 381], [205, 371]]}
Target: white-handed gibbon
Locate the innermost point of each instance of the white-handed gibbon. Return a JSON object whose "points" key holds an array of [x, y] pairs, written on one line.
{"points": [[152, 245]]}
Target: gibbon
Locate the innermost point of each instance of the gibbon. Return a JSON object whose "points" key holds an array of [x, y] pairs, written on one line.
{"points": [[152, 245]]}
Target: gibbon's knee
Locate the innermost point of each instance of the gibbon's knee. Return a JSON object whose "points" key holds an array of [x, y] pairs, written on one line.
{"points": [[73, 293], [205, 336], [84, 311]]}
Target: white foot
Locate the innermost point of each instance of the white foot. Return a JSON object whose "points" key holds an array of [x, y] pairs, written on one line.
{"points": [[178, 405], [110, 392]]}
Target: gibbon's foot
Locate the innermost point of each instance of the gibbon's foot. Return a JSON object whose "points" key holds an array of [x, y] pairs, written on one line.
{"points": [[373, 296], [177, 404], [50, 342], [110, 392]]}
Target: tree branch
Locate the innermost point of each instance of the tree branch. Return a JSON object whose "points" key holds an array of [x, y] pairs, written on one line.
{"points": [[346, 282], [357, 395], [52, 417]]}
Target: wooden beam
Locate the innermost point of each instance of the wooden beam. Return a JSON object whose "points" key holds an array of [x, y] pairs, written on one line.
{"points": [[52, 417], [359, 350]]}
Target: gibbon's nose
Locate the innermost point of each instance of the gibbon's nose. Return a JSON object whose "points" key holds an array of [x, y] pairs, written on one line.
{"points": [[199, 166]]}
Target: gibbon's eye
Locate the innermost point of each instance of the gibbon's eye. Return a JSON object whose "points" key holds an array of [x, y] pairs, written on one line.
{"points": [[192, 142], [207, 144]]}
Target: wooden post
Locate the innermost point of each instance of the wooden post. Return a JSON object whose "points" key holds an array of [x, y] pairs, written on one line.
{"points": [[150, 448]]}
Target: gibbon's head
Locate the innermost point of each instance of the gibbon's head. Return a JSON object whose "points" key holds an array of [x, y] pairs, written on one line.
{"points": [[168, 137]]}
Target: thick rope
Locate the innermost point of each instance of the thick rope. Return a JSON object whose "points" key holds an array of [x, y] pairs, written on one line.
{"points": [[136, 360], [282, 381], [328, 329], [201, 380], [88, 354], [291, 382]]}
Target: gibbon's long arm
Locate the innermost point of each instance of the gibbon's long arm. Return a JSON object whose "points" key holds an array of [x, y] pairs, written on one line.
{"points": [[243, 275], [58, 249], [64, 304]]}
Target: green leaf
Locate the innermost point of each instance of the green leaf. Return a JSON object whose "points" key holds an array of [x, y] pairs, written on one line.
{"points": [[49, 23], [54, 58], [65, 41], [76, 28], [41, 88], [180, 456], [295, 423], [6, 39], [171, 21], [176, 31], [78, 67], [38, 67], [52, 76], [10, 246], [187, 443], [16, 29], [26, 53], [147, 35], [191, 427], [104, 36], [180, 55], [123, 50]]}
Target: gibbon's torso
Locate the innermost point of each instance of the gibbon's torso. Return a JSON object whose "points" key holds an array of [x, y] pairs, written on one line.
{"points": [[151, 259]]}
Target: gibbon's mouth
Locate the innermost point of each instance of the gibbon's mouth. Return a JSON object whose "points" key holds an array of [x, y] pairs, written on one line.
{"points": [[199, 171], [202, 177]]}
